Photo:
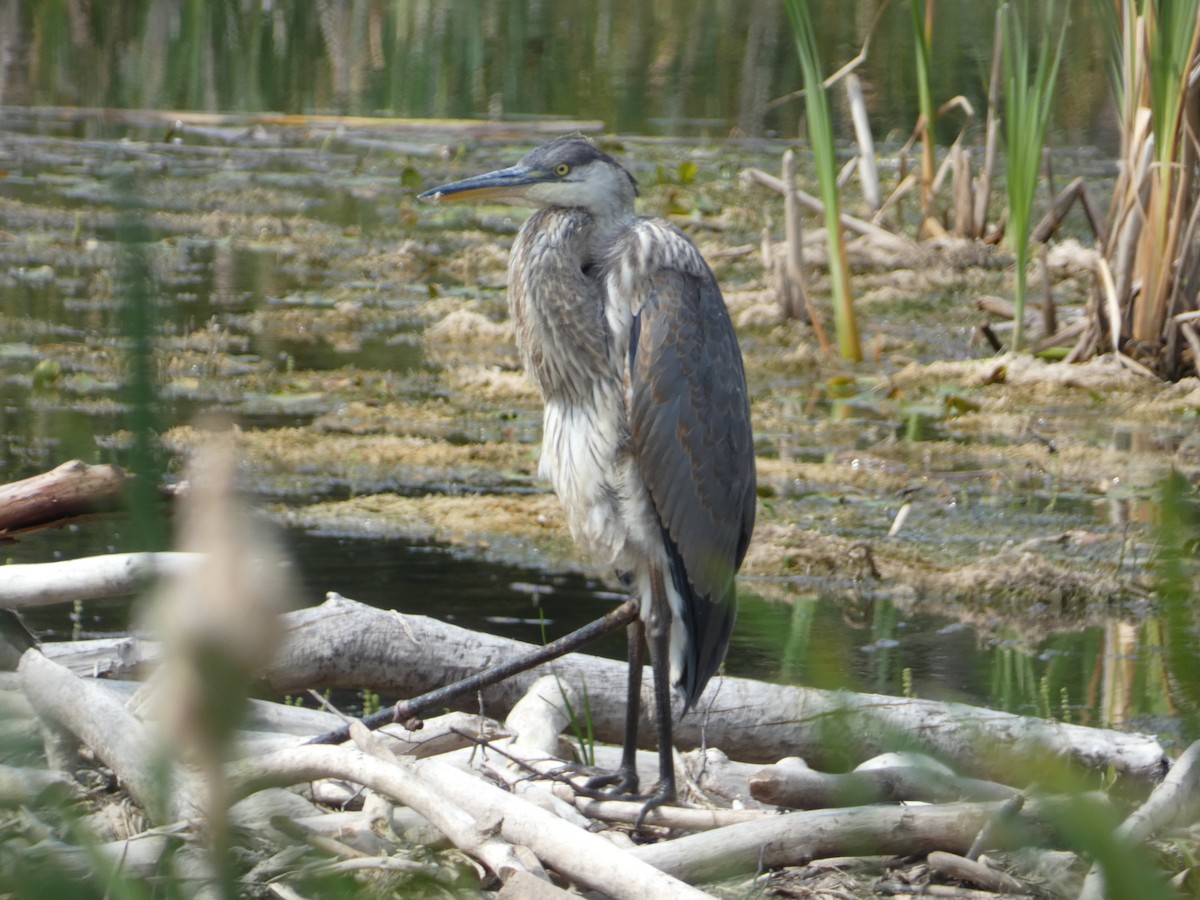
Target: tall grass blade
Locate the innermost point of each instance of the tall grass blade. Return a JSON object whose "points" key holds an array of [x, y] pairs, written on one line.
{"points": [[1029, 92], [1111, 17], [922, 26], [820, 136], [581, 728]]}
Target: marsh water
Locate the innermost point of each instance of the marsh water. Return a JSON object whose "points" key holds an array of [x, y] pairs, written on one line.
{"points": [[288, 277], [671, 67]]}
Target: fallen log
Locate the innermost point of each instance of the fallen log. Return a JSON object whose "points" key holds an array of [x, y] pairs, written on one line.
{"points": [[90, 578], [99, 720], [114, 658], [429, 797], [892, 778], [409, 711], [1176, 799], [344, 644], [798, 838], [22, 785], [52, 498], [511, 832], [972, 871], [569, 779], [428, 784]]}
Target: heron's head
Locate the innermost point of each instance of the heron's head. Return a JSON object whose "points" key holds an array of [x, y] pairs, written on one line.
{"points": [[568, 171]]}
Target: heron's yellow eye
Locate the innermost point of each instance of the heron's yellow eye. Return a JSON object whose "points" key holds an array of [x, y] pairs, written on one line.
{"points": [[561, 169]]}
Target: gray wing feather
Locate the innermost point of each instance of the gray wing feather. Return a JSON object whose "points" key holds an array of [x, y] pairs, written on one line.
{"points": [[690, 428]]}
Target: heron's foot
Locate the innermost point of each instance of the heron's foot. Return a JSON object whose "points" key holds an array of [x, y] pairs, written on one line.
{"points": [[620, 784], [663, 795]]}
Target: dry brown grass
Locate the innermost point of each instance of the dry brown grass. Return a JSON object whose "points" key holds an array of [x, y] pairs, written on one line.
{"points": [[1146, 305]]}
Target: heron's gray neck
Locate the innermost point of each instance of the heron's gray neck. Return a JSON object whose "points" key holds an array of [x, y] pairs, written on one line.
{"points": [[606, 230], [611, 204]]}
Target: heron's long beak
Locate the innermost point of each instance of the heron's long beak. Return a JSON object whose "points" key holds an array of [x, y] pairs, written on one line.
{"points": [[510, 182]]}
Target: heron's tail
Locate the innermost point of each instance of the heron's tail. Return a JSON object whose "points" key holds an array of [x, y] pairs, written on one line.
{"points": [[700, 627]]}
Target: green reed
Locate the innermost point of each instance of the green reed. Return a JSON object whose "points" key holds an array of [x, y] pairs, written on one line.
{"points": [[1028, 94], [820, 138]]}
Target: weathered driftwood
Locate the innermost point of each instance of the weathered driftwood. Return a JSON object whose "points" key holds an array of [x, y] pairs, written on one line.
{"points": [[320, 641], [537, 720], [535, 728], [448, 816], [569, 777], [141, 855], [98, 719], [391, 778], [90, 578], [1176, 799], [541, 819], [523, 886], [672, 818], [430, 786], [22, 785], [136, 857], [974, 872], [343, 644], [366, 830], [797, 838], [706, 776], [892, 778], [722, 780], [66, 492], [409, 711], [442, 734], [116, 658]]}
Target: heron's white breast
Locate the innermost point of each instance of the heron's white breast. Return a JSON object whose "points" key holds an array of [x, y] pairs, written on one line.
{"points": [[581, 444]]}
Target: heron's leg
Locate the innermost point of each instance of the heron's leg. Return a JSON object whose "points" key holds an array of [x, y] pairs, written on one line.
{"points": [[633, 707], [660, 660], [624, 781]]}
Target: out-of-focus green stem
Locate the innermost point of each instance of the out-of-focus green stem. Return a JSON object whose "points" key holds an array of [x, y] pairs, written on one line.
{"points": [[1027, 100], [922, 24], [138, 318], [820, 137]]}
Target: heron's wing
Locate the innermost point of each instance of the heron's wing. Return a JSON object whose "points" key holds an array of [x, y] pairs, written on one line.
{"points": [[689, 418]]}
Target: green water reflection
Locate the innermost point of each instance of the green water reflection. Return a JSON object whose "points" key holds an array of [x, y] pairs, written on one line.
{"points": [[665, 67], [1106, 676]]}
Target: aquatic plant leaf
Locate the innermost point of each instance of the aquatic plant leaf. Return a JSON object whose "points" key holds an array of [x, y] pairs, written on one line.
{"points": [[411, 179]]}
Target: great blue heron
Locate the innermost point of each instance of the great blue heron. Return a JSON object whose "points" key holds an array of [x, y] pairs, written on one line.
{"points": [[646, 427]]}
